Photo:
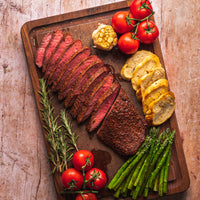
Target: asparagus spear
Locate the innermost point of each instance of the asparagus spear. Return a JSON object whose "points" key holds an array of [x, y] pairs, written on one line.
{"points": [[160, 189], [142, 176], [119, 172], [166, 169], [162, 161]]}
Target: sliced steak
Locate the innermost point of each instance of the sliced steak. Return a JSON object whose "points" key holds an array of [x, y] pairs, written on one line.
{"points": [[39, 55], [69, 51], [98, 76], [123, 128], [70, 64], [73, 75], [80, 82], [51, 48], [67, 39], [102, 106], [92, 98]]}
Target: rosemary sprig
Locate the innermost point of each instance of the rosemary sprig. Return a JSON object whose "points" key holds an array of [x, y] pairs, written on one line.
{"points": [[60, 150], [67, 125]]}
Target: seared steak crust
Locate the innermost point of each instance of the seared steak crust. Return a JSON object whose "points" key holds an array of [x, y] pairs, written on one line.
{"points": [[95, 79], [73, 75], [69, 65], [40, 52], [123, 128], [102, 106], [69, 51], [51, 48], [80, 82], [66, 40], [89, 104]]}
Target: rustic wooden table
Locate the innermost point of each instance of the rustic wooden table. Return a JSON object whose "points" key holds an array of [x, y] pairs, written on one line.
{"points": [[24, 167]]}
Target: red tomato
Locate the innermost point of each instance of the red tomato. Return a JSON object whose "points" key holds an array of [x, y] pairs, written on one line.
{"points": [[87, 196], [147, 33], [127, 44], [96, 179], [81, 157], [141, 9], [119, 22], [72, 179]]}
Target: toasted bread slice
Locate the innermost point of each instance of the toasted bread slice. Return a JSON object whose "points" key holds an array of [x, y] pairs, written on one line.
{"points": [[132, 62], [161, 109], [145, 81], [149, 63], [153, 92]]}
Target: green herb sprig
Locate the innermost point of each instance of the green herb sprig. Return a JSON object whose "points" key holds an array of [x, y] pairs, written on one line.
{"points": [[60, 149]]}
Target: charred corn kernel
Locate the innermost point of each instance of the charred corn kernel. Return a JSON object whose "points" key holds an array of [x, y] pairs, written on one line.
{"points": [[104, 37]]}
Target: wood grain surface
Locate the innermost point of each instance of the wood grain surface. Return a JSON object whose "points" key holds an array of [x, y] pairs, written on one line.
{"points": [[24, 168]]}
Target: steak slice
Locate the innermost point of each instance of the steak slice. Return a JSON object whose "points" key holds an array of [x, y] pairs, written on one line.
{"points": [[51, 48], [39, 55], [91, 99], [70, 64], [67, 39], [123, 128], [102, 106], [80, 82], [69, 51], [73, 75], [96, 78]]}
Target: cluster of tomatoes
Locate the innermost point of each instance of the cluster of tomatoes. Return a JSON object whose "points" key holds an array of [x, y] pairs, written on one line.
{"points": [[83, 177], [135, 26]]}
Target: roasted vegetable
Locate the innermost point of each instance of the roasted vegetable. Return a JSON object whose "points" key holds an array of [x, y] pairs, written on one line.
{"points": [[104, 37]]}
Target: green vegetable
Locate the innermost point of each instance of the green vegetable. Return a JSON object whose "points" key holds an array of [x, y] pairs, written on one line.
{"points": [[147, 169]]}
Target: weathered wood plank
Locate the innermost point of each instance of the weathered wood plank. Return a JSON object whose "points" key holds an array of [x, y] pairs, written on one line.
{"points": [[24, 168]]}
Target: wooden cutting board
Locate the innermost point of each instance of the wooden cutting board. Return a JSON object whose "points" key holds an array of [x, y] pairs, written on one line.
{"points": [[81, 24]]}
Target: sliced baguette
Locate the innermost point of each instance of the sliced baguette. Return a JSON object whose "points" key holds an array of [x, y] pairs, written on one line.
{"points": [[149, 63], [153, 92], [132, 62], [145, 81], [161, 109]]}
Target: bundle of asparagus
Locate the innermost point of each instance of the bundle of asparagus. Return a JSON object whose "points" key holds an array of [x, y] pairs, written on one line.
{"points": [[147, 169]]}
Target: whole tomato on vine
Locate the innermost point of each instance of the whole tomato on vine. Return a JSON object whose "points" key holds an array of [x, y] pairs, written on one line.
{"points": [[120, 22], [141, 9], [86, 196], [128, 43], [147, 32]]}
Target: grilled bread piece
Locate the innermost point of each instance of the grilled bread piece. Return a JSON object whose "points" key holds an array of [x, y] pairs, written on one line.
{"points": [[153, 92], [145, 81], [148, 64], [132, 63], [161, 109]]}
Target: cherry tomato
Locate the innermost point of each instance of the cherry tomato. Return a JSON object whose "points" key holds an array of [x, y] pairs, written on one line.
{"points": [[147, 33], [72, 179], [87, 196], [81, 157], [141, 9], [127, 44], [119, 22], [96, 179]]}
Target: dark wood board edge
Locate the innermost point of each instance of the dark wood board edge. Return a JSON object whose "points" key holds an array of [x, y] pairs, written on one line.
{"points": [[26, 29], [178, 141]]}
